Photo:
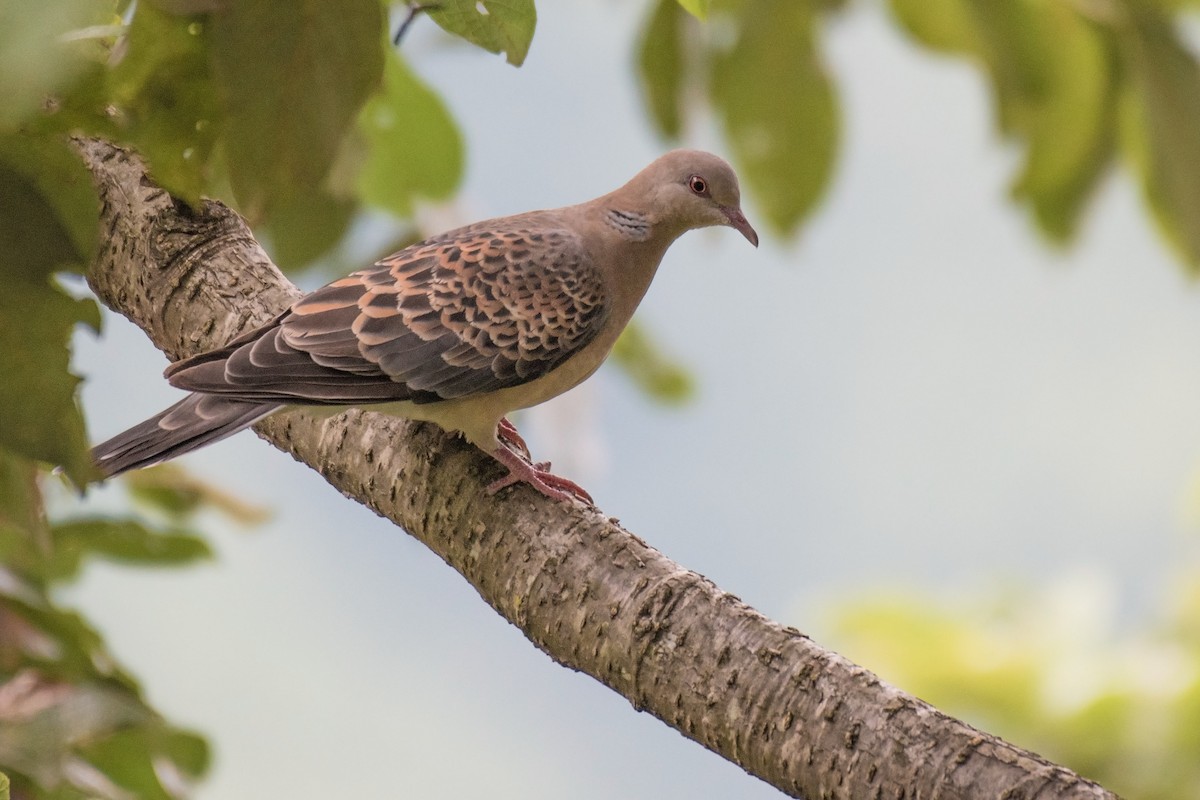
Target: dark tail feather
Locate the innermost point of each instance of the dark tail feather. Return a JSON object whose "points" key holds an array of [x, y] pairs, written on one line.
{"points": [[190, 424]]}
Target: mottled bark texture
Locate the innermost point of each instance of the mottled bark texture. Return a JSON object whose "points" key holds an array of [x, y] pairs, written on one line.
{"points": [[587, 592]]}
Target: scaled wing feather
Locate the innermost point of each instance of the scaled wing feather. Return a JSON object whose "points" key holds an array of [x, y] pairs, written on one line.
{"points": [[471, 311]]}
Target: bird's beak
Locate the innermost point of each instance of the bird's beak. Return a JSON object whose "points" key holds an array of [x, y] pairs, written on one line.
{"points": [[737, 220]]}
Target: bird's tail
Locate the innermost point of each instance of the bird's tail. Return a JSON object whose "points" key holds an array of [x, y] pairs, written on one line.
{"points": [[190, 424]]}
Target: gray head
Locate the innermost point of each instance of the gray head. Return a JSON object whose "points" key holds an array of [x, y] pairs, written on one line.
{"points": [[687, 189]]}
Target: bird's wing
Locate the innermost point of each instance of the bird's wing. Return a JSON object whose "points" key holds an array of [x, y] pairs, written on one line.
{"points": [[477, 310]]}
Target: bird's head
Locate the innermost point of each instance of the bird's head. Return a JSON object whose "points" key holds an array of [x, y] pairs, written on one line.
{"points": [[695, 189]]}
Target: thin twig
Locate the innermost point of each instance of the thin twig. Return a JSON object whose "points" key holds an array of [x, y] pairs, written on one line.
{"points": [[413, 10]]}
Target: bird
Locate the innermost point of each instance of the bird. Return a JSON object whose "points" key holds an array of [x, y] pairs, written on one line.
{"points": [[460, 329]]}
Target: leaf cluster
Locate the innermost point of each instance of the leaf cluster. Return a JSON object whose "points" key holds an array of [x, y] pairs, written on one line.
{"points": [[1081, 87], [1077, 87], [300, 114], [73, 723]]}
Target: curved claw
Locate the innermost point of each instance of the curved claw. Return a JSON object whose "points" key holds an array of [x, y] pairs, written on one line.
{"points": [[537, 476]]}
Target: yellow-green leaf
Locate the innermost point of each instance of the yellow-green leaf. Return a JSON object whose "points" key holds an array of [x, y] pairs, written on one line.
{"points": [[498, 26], [1161, 126], [413, 147], [697, 8], [661, 66], [945, 25], [171, 489], [1065, 109], [779, 109], [653, 371]]}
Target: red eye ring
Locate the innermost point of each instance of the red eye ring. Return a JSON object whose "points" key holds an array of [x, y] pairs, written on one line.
{"points": [[698, 185]]}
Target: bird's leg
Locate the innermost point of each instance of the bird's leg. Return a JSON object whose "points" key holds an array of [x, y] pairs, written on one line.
{"points": [[537, 476], [507, 432]]}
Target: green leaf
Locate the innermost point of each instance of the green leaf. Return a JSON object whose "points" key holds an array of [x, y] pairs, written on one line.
{"points": [[189, 751], [54, 169], [4, 786], [697, 8], [498, 26], [128, 758], [779, 109], [1055, 83], [126, 541], [1053, 78], [24, 533], [1161, 121], [653, 371], [303, 228], [292, 78], [165, 100], [413, 147], [39, 55], [41, 418], [945, 25], [661, 67], [172, 489], [39, 744]]}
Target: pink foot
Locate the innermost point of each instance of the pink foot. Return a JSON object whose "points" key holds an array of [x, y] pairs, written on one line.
{"points": [[538, 476], [508, 435]]}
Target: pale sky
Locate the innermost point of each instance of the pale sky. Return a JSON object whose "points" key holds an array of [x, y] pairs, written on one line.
{"points": [[915, 393]]}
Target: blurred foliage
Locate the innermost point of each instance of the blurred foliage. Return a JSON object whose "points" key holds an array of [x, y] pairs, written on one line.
{"points": [[73, 723], [653, 371], [1049, 671], [303, 115], [757, 63], [1082, 86]]}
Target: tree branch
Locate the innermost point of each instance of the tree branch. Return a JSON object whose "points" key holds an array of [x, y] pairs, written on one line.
{"points": [[590, 594]]}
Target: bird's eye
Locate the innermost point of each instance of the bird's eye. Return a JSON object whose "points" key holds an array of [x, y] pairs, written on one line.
{"points": [[698, 185]]}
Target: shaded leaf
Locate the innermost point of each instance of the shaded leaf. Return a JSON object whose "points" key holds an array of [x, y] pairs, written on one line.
{"points": [[498, 26], [1161, 121], [291, 78], [165, 98], [51, 166], [122, 540], [778, 108], [652, 370], [697, 8], [413, 147], [661, 67], [21, 499], [41, 418], [303, 228], [24, 532], [172, 489]]}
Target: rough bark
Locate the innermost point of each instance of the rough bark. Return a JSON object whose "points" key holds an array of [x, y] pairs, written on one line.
{"points": [[587, 592]]}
